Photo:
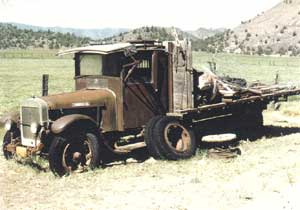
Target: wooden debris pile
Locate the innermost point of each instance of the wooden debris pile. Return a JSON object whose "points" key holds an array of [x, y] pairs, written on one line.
{"points": [[227, 89]]}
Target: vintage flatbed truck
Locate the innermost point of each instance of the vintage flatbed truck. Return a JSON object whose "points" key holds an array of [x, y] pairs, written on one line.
{"points": [[128, 96]]}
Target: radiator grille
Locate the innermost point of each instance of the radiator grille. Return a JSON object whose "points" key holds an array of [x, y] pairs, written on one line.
{"points": [[29, 115]]}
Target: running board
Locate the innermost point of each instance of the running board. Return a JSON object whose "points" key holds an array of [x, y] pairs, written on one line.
{"points": [[128, 148]]}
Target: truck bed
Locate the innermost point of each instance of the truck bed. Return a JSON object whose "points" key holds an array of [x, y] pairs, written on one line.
{"points": [[228, 106]]}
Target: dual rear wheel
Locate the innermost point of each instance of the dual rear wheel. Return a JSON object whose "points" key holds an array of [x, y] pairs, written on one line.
{"points": [[168, 138]]}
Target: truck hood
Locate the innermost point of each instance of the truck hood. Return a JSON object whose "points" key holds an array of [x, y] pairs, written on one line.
{"points": [[81, 98]]}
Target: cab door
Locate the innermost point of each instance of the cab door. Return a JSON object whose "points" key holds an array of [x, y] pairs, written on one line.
{"points": [[146, 89]]}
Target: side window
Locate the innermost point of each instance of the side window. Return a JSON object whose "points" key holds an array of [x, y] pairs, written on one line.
{"points": [[143, 72]]}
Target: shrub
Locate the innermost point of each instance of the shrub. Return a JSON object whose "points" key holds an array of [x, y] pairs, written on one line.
{"points": [[281, 51], [260, 50], [268, 51]]}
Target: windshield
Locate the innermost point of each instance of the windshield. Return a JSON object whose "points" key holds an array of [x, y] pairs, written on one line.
{"points": [[91, 65], [95, 64]]}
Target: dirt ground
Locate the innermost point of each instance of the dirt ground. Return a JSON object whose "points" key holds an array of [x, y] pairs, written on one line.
{"points": [[266, 175]]}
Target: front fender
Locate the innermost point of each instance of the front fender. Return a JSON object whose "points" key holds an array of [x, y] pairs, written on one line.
{"points": [[65, 122]]}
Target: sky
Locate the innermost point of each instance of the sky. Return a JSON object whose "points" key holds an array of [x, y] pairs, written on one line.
{"points": [[185, 14]]}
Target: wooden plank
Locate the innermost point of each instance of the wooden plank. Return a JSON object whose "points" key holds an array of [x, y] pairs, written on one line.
{"points": [[182, 79]]}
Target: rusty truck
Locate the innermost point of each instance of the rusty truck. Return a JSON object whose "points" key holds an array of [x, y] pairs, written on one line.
{"points": [[128, 96]]}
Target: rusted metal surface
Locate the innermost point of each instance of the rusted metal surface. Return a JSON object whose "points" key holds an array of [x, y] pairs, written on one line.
{"points": [[82, 98], [62, 123], [104, 98], [10, 148], [128, 148], [138, 105], [143, 100], [22, 151], [177, 136], [77, 159]]}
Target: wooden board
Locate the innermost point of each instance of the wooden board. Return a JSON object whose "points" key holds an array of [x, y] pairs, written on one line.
{"points": [[182, 77]]}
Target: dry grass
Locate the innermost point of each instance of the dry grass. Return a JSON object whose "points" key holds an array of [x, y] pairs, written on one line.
{"points": [[267, 165]]}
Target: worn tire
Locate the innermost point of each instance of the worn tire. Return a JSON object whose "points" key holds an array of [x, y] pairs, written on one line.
{"points": [[60, 144], [165, 146], [6, 141], [148, 137]]}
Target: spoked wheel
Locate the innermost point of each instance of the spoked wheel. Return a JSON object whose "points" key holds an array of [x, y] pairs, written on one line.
{"points": [[67, 155], [173, 139], [76, 156]]}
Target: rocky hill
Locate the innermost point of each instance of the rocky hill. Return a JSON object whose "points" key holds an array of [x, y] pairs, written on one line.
{"points": [[276, 31]]}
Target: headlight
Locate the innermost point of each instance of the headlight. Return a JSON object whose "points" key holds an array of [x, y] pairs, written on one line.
{"points": [[8, 125], [34, 128]]}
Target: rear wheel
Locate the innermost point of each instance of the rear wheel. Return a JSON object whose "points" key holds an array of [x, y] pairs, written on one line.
{"points": [[172, 139], [148, 136], [69, 154]]}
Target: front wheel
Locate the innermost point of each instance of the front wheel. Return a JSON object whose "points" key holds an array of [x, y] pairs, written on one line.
{"points": [[6, 141], [77, 153]]}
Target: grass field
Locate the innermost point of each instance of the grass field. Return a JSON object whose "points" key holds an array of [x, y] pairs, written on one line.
{"points": [[21, 78], [253, 68], [266, 172]]}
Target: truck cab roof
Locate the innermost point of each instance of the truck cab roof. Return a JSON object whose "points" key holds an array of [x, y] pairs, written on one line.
{"points": [[117, 47]]}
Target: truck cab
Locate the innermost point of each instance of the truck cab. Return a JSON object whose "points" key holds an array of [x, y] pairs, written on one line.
{"points": [[121, 90]]}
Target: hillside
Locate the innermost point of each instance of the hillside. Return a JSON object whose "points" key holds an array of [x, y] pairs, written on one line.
{"points": [[91, 33], [204, 33], [13, 37], [153, 32], [167, 33], [276, 31]]}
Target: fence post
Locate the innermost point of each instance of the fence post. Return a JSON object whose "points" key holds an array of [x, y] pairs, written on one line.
{"points": [[45, 84]]}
